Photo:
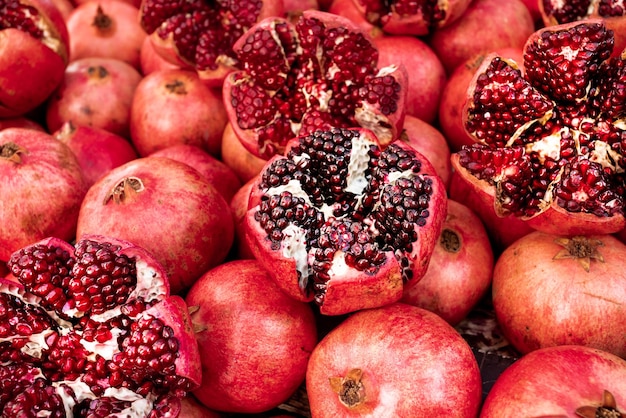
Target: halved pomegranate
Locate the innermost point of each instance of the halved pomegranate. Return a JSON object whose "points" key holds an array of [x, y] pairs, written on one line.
{"points": [[551, 141], [90, 330], [200, 34], [318, 73], [344, 222]]}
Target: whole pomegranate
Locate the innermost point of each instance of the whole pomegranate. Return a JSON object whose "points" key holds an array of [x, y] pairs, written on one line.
{"points": [[549, 140], [200, 34], [554, 290], [612, 12], [108, 29], [237, 157], [172, 107], [485, 26], [394, 361], [417, 17], [254, 340], [429, 142], [97, 151], [566, 381], [34, 47], [221, 176], [460, 269], [96, 92], [345, 222], [42, 187], [90, 330], [426, 77], [319, 72], [166, 207]]}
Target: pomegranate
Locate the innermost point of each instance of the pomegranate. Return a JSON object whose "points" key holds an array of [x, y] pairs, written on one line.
{"points": [[454, 95], [428, 141], [460, 269], [166, 207], [613, 12], [33, 54], [150, 60], [42, 187], [375, 363], [20, 122], [549, 146], [318, 73], [341, 221], [239, 207], [172, 107], [221, 176], [98, 151], [191, 408], [485, 26], [426, 78], [91, 331], [583, 273], [249, 369], [200, 34], [402, 17], [349, 9], [567, 381], [96, 92], [237, 157], [108, 29]]}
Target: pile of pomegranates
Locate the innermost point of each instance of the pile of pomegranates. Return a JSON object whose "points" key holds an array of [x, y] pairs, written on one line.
{"points": [[310, 209]]}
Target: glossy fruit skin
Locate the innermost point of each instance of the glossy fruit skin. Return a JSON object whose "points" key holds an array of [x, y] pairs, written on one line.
{"points": [[555, 381], [460, 269], [541, 301], [398, 348], [26, 208], [255, 341], [237, 157], [175, 214]]}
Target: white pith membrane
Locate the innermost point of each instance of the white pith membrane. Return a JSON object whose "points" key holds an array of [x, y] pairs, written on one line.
{"points": [[294, 242], [49, 37], [150, 287]]}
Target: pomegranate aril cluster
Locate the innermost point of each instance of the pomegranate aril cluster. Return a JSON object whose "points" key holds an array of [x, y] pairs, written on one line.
{"points": [[536, 129]]}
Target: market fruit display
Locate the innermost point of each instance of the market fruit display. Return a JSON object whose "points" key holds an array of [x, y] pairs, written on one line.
{"points": [[318, 208]]}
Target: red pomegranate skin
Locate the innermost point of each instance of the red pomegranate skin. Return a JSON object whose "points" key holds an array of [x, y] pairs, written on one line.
{"points": [[460, 269], [541, 301], [426, 74], [239, 207], [178, 216], [255, 341], [237, 157], [41, 189], [485, 26], [555, 381], [150, 60], [172, 107], [413, 364]]}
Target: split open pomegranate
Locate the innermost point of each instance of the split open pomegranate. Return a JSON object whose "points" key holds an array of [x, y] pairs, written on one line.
{"points": [[90, 331], [551, 140], [318, 73], [345, 222]]}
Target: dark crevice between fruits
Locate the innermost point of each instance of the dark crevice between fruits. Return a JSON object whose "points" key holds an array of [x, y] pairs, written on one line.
{"points": [[450, 241], [11, 152], [124, 190], [582, 249], [102, 22], [349, 389]]}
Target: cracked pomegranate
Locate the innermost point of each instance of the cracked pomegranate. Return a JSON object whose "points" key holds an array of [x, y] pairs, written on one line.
{"points": [[550, 141], [551, 290], [34, 47], [318, 73], [91, 331], [343, 221], [561, 382], [200, 34]]}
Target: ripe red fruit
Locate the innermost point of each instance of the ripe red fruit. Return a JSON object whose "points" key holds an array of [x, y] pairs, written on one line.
{"points": [[377, 361], [255, 341]]}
